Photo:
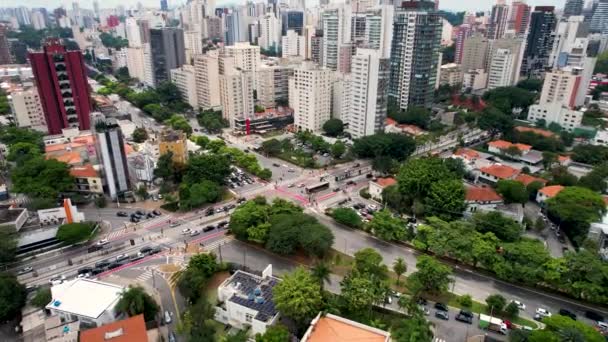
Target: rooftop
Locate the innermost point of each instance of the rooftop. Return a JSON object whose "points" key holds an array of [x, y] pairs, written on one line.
{"points": [[467, 153], [527, 179], [337, 329], [386, 182], [8, 214], [532, 157], [86, 171], [500, 171], [254, 292], [482, 194], [75, 297], [543, 132], [503, 145], [128, 330], [551, 191], [69, 158]]}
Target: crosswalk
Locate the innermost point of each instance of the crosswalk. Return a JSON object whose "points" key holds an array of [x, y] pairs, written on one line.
{"points": [[116, 234], [144, 276], [216, 244], [437, 339]]}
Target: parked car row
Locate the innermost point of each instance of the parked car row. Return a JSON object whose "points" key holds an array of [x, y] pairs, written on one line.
{"points": [[212, 211], [142, 215], [238, 179]]}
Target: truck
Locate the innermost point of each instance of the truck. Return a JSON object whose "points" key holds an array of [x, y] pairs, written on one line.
{"points": [[493, 324]]}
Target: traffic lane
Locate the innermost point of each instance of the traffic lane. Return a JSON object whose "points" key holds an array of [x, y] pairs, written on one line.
{"points": [[479, 286]]}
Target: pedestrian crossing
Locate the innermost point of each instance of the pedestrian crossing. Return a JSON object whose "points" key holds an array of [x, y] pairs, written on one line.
{"points": [[142, 278], [216, 244], [116, 234], [437, 339]]}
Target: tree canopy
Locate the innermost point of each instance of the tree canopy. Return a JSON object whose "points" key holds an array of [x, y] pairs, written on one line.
{"points": [[12, 296], [298, 296], [431, 276], [333, 127], [396, 146], [72, 233], [512, 191]]}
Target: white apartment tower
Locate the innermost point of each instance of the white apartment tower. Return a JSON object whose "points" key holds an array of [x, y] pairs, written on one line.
{"points": [[270, 32], [27, 109], [206, 70], [293, 45], [368, 91], [501, 69], [336, 32], [236, 91], [185, 80], [379, 29], [246, 56], [310, 96]]}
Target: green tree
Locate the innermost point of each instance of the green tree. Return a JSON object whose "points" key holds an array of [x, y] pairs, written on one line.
{"points": [[590, 154], [338, 149], [532, 189], [512, 191], [298, 296], [12, 296], [418, 175], [383, 164], [135, 301], [395, 146], [496, 303], [333, 127], [22, 152], [275, 333], [272, 147], [321, 272], [179, 122], [140, 135], [431, 276], [195, 323], [414, 329], [418, 116], [211, 167], [399, 267], [505, 228], [72, 233], [512, 310], [559, 323], [387, 227], [495, 121], [194, 195], [8, 245], [42, 298], [316, 240], [575, 208], [466, 301], [40, 177], [446, 199], [601, 66], [142, 191], [347, 216], [212, 121]]}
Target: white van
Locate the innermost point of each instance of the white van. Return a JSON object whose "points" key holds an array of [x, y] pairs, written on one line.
{"points": [[167, 317]]}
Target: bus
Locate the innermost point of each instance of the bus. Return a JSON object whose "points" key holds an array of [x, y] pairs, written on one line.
{"points": [[317, 187]]}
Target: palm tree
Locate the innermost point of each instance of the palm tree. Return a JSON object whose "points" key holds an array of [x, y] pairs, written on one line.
{"points": [[136, 301], [399, 267], [321, 272]]}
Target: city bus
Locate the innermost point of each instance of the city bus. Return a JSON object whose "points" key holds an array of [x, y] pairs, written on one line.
{"points": [[317, 187]]}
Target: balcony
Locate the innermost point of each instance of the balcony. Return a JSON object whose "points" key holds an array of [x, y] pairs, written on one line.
{"points": [[70, 111], [60, 67], [63, 77], [66, 94], [72, 120], [58, 58], [64, 86], [68, 103]]}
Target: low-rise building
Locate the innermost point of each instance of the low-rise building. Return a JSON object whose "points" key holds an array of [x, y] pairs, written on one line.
{"points": [[493, 173], [132, 329], [271, 119], [12, 218], [450, 74], [27, 109], [67, 213], [89, 301], [548, 192], [475, 80], [526, 179], [502, 147], [567, 118], [376, 187], [328, 327], [482, 197], [87, 179], [174, 141], [246, 301]]}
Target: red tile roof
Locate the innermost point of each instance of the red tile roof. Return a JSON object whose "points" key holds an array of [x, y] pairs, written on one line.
{"points": [[482, 194], [551, 191], [543, 132], [503, 145], [500, 171], [467, 153], [527, 179], [386, 182], [128, 330], [390, 122], [85, 171]]}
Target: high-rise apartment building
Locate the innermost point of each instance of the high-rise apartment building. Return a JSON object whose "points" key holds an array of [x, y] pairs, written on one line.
{"points": [[246, 56], [498, 20], [27, 109], [316, 47], [293, 45], [310, 96], [570, 41], [539, 42], [415, 54], [111, 147], [236, 90], [519, 17], [336, 32], [163, 5], [475, 52], [379, 29], [599, 18], [500, 72], [270, 32], [463, 32], [214, 28], [185, 80], [207, 78], [573, 7], [370, 74], [193, 44], [167, 52], [5, 51], [292, 20], [515, 46], [61, 80], [273, 84]]}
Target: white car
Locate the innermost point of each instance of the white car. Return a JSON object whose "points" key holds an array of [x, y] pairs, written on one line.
{"points": [[56, 280], [102, 242], [543, 312], [186, 231], [520, 305]]}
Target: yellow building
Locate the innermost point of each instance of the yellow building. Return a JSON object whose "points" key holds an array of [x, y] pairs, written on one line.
{"points": [[175, 142]]}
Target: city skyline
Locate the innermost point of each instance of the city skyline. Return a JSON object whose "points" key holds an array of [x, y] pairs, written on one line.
{"points": [[456, 5]]}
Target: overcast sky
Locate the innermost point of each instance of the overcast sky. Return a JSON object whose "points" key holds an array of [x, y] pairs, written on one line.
{"points": [[461, 5]]}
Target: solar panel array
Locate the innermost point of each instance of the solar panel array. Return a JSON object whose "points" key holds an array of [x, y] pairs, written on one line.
{"points": [[247, 288]]}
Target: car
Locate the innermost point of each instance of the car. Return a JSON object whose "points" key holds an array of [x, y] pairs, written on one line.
{"points": [[465, 316], [521, 306], [301, 185], [350, 182], [102, 263], [84, 275], [276, 165], [160, 196], [603, 326], [122, 257], [114, 265], [372, 207], [291, 170], [543, 312], [291, 185], [209, 212], [25, 270], [174, 224], [122, 214], [137, 256], [442, 315], [151, 215], [140, 212], [568, 313], [186, 231], [222, 224], [219, 210], [167, 317], [209, 228], [424, 310], [156, 212], [155, 250], [594, 316], [102, 242], [195, 232], [85, 270], [231, 206], [441, 306], [388, 300], [56, 280], [134, 219]]}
